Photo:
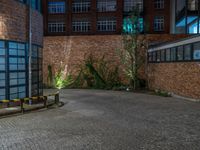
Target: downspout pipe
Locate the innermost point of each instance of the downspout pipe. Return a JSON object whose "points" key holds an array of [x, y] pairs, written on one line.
{"points": [[30, 49]]}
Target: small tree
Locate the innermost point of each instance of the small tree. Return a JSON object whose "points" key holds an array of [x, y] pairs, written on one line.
{"points": [[131, 55], [62, 79]]}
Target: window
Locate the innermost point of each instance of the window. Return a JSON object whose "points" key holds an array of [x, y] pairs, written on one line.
{"points": [[158, 56], [35, 4], [162, 55], [196, 52], [81, 26], [17, 70], [168, 55], [106, 24], [159, 23], [187, 52], [130, 5], [55, 27], [154, 56], [106, 5], [56, 7], [131, 25], [150, 57], [81, 6], [2, 93], [192, 5], [180, 53], [159, 4], [173, 54]]}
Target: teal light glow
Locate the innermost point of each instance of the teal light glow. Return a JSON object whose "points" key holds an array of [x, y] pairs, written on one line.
{"points": [[133, 25], [193, 28]]}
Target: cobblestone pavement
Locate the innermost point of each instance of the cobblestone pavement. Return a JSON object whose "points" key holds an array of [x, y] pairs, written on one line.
{"points": [[106, 120]]}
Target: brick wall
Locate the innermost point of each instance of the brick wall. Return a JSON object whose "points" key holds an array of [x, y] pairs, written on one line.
{"points": [[70, 50], [14, 22], [179, 78]]}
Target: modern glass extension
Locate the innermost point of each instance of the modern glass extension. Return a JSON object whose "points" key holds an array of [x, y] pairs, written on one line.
{"points": [[14, 70], [187, 16], [187, 50]]}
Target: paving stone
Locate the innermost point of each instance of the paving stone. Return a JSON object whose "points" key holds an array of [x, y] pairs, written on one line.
{"points": [[106, 120]]}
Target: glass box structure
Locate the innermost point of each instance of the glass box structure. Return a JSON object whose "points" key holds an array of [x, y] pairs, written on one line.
{"points": [[14, 71]]}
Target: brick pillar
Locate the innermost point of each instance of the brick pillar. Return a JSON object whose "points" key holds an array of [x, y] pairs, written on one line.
{"points": [[119, 16], [93, 17], [69, 17]]}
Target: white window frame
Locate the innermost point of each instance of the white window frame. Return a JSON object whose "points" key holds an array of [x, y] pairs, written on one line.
{"points": [[159, 4], [106, 5], [159, 23], [56, 27], [81, 26], [81, 6], [130, 4], [107, 25]]}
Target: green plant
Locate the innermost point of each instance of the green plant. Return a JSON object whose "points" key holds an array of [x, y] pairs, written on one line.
{"points": [[96, 73], [131, 55], [162, 93], [61, 80]]}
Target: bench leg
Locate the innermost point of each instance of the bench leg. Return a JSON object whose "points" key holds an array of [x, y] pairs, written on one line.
{"points": [[57, 99], [45, 101]]}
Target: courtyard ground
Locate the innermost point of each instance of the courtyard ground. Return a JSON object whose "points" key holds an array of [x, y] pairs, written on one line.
{"points": [[106, 120]]}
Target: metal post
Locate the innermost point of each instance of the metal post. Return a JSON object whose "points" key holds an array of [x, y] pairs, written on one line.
{"points": [[30, 50]]}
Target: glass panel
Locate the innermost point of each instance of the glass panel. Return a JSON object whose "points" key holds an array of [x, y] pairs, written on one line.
{"points": [[13, 82], [2, 83], [2, 97], [168, 58], [2, 76], [180, 53], [2, 67], [158, 56], [21, 81], [13, 67], [2, 51], [13, 45], [13, 90], [2, 60], [173, 54], [196, 53], [154, 56], [187, 52], [2, 91], [13, 96], [13, 52], [163, 55], [2, 44]]}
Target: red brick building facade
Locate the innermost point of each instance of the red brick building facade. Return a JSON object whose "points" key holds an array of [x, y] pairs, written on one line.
{"points": [[68, 13]]}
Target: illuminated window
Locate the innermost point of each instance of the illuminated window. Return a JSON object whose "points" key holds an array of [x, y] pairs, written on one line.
{"points": [[132, 25], [56, 7]]}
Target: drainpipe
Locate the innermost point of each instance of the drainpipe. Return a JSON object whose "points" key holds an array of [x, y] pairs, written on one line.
{"points": [[30, 50]]}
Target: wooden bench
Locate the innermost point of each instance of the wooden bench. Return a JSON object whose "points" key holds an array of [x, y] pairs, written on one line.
{"points": [[28, 102]]}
